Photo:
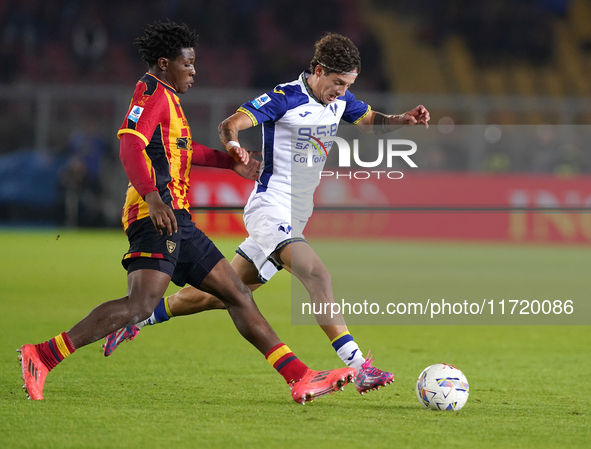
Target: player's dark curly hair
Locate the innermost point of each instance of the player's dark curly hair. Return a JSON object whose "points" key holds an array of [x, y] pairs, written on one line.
{"points": [[337, 54], [165, 40]]}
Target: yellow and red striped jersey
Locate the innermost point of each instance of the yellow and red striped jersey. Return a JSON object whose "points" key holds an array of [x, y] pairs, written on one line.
{"points": [[155, 116]]}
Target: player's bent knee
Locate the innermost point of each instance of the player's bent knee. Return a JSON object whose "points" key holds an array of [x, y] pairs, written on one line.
{"points": [[139, 312], [140, 306], [223, 282], [238, 296]]}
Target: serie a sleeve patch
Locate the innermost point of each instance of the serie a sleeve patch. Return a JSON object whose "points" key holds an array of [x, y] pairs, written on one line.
{"points": [[135, 113]]}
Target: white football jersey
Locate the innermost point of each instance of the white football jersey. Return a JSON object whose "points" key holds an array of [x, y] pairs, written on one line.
{"points": [[296, 127]]}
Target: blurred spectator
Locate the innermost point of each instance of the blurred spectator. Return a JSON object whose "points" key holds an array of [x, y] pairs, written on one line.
{"points": [[80, 178], [499, 31], [89, 41], [243, 43]]}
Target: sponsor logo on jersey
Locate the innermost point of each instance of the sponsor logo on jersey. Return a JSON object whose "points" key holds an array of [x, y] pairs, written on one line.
{"points": [[305, 113], [317, 143], [260, 101], [182, 143], [136, 113]]}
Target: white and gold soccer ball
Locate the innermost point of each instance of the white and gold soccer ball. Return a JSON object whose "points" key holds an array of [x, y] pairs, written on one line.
{"points": [[442, 387]]}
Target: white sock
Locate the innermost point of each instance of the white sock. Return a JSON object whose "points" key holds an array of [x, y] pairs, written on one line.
{"points": [[351, 355], [160, 314], [147, 321]]}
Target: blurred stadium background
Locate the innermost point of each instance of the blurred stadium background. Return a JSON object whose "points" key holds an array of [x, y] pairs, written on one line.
{"points": [[70, 67]]}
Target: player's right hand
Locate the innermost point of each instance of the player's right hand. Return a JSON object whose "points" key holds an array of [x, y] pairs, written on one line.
{"points": [[161, 215], [239, 154]]}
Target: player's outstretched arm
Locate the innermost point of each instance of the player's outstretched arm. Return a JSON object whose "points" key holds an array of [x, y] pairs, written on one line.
{"points": [[378, 123], [208, 157]]}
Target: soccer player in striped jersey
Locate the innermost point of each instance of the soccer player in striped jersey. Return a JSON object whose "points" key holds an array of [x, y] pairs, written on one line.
{"points": [[281, 201], [157, 152]]}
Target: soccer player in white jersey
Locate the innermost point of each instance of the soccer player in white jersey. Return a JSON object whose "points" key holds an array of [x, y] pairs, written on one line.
{"points": [[281, 201]]}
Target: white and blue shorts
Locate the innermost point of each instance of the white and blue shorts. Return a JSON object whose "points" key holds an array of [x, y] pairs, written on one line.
{"points": [[270, 227]]}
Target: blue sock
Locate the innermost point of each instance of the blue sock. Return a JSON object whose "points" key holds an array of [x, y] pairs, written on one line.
{"points": [[160, 314]]}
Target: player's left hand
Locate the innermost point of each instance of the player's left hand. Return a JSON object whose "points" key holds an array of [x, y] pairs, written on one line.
{"points": [[418, 115], [250, 170]]}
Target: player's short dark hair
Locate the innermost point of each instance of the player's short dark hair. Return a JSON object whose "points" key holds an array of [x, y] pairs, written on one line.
{"points": [[337, 54], [165, 40]]}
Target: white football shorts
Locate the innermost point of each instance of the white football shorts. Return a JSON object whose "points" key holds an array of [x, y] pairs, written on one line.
{"points": [[270, 227]]}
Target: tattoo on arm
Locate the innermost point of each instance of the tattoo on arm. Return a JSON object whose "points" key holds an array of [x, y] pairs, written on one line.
{"points": [[226, 133], [381, 123]]}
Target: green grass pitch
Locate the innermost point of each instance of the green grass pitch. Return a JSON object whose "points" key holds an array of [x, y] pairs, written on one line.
{"points": [[196, 383]]}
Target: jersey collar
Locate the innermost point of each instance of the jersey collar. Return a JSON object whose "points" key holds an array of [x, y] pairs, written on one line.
{"points": [[166, 85], [305, 75]]}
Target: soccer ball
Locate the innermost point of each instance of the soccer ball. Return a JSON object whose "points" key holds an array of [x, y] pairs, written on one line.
{"points": [[442, 387]]}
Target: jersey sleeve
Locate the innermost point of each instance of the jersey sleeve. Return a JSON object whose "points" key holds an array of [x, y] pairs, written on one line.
{"points": [[355, 110], [143, 115], [132, 157], [208, 157], [268, 107]]}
